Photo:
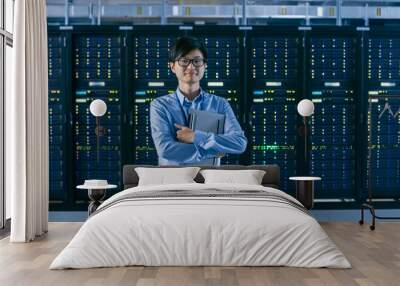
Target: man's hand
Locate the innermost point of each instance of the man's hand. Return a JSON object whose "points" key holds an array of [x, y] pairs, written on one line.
{"points": [[184, 134]]}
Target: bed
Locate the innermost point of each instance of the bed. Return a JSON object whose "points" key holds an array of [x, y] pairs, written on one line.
{"points": [[197, 224]]}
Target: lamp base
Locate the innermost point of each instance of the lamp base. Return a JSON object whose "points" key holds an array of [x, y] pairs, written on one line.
{"points": [[95, 196]]}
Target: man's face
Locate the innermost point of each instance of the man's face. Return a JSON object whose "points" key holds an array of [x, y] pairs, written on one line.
{"points": [[191, 73]]}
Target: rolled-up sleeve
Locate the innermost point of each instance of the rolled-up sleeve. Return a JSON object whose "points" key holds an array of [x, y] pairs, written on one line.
{"points": [[164, 138], [233, 141]]}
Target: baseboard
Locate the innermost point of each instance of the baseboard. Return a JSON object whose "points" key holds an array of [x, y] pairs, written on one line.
{"points": [[320, 215], [68, 216]]}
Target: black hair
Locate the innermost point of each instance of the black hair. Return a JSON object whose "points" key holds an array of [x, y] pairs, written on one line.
{"points": [[185, 45]]}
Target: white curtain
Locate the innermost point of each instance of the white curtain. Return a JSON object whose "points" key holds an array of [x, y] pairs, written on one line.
{"points": [[27, 124]]}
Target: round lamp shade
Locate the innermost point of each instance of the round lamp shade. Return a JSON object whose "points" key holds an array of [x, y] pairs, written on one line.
{"points": [[305, 107], [98, 107]]}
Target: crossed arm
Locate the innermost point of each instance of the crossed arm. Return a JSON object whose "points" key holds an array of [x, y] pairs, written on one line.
{"points": [[189, 146]]}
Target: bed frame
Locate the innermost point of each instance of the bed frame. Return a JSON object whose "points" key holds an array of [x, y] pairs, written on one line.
{"points": [[270, 179]]}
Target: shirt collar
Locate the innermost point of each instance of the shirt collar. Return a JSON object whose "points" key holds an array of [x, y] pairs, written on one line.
{"points": [[183, 99]]}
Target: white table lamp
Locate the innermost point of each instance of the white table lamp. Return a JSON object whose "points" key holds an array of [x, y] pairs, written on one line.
{"points": [[305, 108]]}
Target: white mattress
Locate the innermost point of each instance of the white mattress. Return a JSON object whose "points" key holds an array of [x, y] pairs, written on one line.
{"points": [[200, 231]]}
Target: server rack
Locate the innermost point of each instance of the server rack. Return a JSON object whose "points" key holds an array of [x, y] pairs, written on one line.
{"points": [[381, 176], [383, 118], [274, 77], [58, 127], [97, 74], [331, 85]]}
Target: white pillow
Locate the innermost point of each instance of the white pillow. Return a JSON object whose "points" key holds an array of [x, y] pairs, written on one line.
{"points": [[249, 177], [166, 176]]}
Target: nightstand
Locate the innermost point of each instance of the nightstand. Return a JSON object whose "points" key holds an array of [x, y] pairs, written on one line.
{"points": [[96, 193], [305, 190]]}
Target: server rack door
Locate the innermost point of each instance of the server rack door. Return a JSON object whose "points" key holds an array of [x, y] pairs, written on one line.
{"points": [[383, 85], [57, 57], [331, 86], [97, 75], [273, 79]]}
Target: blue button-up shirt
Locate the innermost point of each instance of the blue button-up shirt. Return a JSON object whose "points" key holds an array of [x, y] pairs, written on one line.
{"points": [[169, 109]]}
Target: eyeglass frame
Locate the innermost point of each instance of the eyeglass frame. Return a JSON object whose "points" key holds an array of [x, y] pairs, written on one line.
{"points": [[191, 61]]}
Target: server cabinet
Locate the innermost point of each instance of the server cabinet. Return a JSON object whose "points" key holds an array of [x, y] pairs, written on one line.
{"points": [[274, 88], [58, 119], [97, 74], [332, 86], [383, 114]]}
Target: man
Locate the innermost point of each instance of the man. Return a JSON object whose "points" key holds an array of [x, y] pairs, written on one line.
{"points": [[175, 142]]}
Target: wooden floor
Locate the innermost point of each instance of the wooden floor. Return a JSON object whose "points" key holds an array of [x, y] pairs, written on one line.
{"points": [[375, 257]]}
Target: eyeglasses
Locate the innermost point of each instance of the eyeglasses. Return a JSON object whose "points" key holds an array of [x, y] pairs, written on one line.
{"points": [[197, 62]]}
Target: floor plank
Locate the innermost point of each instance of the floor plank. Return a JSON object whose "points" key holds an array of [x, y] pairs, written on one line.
{"points": [[374, 255]]}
